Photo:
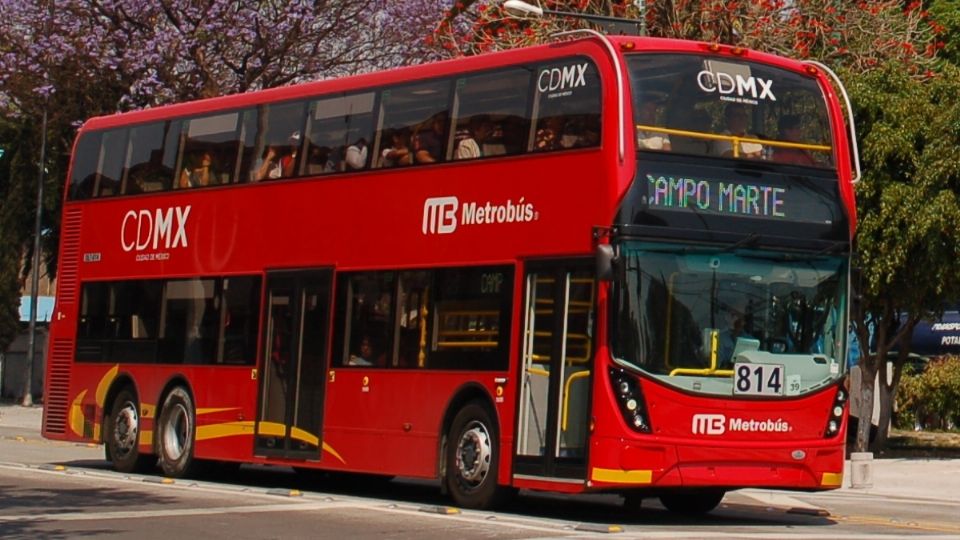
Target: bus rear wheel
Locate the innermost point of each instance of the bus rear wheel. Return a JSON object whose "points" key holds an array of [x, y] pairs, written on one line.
{"points": [[177, 434], [122, 445], [473, 455], [693, 502]]}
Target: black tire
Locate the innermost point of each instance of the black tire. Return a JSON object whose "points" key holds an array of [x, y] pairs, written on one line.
{"points": [[176, 434], [122, 435], [472, 459], [693, 502]]}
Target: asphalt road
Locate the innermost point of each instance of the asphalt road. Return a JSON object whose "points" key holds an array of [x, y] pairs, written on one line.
{"points": [[57, 490]]}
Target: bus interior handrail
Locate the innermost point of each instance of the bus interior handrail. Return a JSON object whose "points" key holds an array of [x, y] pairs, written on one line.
{"points": [[735, 138]]}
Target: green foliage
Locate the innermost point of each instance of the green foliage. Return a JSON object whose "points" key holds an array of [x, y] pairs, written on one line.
{"points": [[908, 244], [931, 396]]}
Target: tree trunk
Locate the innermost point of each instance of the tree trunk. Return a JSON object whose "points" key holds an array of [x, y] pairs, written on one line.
{"points": [[868, 376], [886, 392]]}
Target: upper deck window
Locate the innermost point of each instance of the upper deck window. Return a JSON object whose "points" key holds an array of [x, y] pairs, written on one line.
{"points": [[415, 124], [491, 114], [535, 107], [566, 106], [339, 134], [209, 151], [705, 106]]}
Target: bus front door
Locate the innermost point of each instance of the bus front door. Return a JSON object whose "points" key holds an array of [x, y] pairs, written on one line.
{"points": [[556, 372], [290, 413]]}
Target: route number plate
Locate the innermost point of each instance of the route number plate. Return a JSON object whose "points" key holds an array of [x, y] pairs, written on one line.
{"points": [[758, 379]]}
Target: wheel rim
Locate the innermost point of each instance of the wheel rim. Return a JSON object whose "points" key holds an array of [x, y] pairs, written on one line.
{"points": [[125, 429], [176, 431], [474, 454]]}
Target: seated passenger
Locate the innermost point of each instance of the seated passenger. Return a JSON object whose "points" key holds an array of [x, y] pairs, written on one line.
{"points": [[735, 318], [789, 127], [398, 153], [549, 134], [201, 175], [471, 142], [737, 120], [428, 143], [365, 355], [648, 139], [356, 155], [279, 161]]}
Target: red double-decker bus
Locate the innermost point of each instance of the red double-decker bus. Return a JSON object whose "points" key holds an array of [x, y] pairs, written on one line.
{"points": [[606, 264]]}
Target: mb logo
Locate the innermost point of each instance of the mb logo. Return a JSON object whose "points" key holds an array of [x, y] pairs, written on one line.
{"points": [[440, 215], [709, 424]]}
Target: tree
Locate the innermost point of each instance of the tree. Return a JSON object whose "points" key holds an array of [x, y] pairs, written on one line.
{"points": [[908, 244], [82, 58]]}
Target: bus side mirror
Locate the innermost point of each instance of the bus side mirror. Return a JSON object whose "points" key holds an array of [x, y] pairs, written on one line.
{"points": [[607, 261]]}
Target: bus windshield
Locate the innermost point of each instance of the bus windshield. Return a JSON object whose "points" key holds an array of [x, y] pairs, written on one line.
{"points": [[691, 316], [703, 105]]}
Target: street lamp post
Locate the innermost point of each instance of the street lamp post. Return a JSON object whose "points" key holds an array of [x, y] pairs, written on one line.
{"points": [[519, 8], [35, 274]]}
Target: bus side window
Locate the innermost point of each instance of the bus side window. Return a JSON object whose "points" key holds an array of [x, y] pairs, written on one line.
{"points": [[368, 320], [209, 154], [85, 160], [110, 164], [149, 165], [567, 110], [491, 114], [422, 111], [279, 141], [339, 132]]}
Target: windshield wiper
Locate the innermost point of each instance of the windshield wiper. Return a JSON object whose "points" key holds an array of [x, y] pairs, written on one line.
{"points": [[748, 241]]}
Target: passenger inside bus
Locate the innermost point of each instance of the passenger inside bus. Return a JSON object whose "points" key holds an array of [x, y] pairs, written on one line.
{"points": [[356, 155], [398, 153], [737, 120], [548, 134], [650, 139], [790, 131], [201, 174], [471, 142], [428, 142], [279, 161], [366, 355], [735, 320]]}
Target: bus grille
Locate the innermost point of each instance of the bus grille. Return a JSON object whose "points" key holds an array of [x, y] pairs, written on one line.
{"points": [[56, 399], [69, 257]]}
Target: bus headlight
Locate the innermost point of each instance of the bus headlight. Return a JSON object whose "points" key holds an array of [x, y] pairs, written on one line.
{"points": [[836, 414], [630, 399]]}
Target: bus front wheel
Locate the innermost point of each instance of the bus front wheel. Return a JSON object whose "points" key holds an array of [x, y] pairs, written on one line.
{"points": [[122, 445], [177, 430], [692, 502], [472, 459]]}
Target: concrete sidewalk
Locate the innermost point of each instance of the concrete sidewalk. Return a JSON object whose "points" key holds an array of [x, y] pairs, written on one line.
{"points": [[14, 416], [906, 477]]}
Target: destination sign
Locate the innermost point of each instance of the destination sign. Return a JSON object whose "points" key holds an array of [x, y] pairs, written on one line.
{"points": [[686, 194], [717, 197]]}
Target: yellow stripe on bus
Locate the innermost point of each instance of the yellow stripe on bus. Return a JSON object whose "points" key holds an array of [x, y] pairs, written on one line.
{"points": [[620, 476]]}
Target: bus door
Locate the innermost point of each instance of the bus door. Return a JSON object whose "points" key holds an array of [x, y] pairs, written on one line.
{"points": [[556, 374], [290, 413]]}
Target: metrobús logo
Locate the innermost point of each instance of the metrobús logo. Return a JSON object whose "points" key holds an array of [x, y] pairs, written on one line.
{"points": [[146, 232], [718, 424], [442, 215]]}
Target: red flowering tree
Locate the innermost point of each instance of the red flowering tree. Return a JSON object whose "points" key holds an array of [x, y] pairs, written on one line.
{"points": [[858, 35]]}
